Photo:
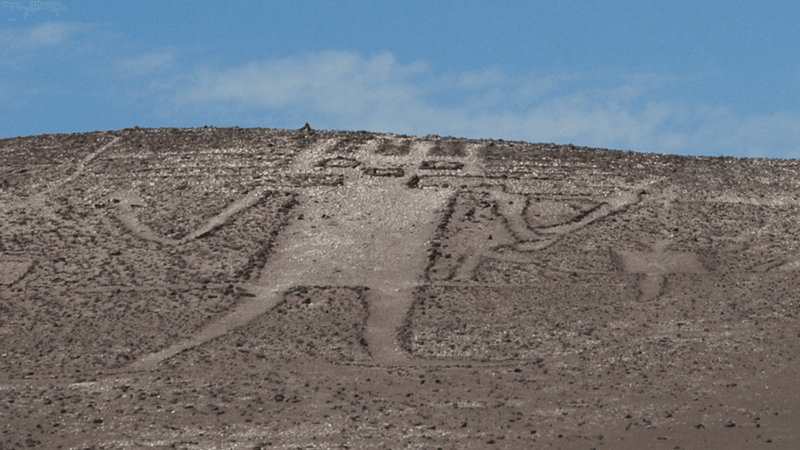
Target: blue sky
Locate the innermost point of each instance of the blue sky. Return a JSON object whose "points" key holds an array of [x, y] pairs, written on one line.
{"points": [[679, 77]]}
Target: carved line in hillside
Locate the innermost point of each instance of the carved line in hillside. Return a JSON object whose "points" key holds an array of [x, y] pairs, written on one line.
{"points": [[128, 200], [525, 239], [651, 283], [565, 228], [126, 215], [582, 221], [14, 268], [37, 201], [385, 304], [653, 267]]}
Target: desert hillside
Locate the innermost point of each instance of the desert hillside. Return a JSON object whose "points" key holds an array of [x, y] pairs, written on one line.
{"points": [[229, 288]]}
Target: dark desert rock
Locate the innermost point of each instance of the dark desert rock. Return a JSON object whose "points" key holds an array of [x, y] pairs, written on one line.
{"points": [[390, 147], [384, 172], [448, 147], [441, 165]]}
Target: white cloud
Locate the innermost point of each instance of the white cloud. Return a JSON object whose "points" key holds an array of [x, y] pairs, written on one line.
{"points": [[473, 80], [347, 91], [331, 82], [20, 45], [46, 35], [144, 64]]}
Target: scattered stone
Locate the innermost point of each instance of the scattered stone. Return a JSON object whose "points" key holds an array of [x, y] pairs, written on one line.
{"points": [[384, 172], [340, 162], [441, 165]]}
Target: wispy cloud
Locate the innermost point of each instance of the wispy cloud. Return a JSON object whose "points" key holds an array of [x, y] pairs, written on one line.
{"points": [[46, 35], [144, 64], [475, 80], [330, 82], [19, 46], [604, 109]]}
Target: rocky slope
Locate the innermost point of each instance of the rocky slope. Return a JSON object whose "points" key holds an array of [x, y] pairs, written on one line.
{"points": [[259, 288]]}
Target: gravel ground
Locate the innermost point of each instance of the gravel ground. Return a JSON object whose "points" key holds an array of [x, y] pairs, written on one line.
{"points": [[257, 288]]}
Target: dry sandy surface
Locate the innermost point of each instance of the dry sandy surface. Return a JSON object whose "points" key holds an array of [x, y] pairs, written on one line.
{"points": [[301, 289]]}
